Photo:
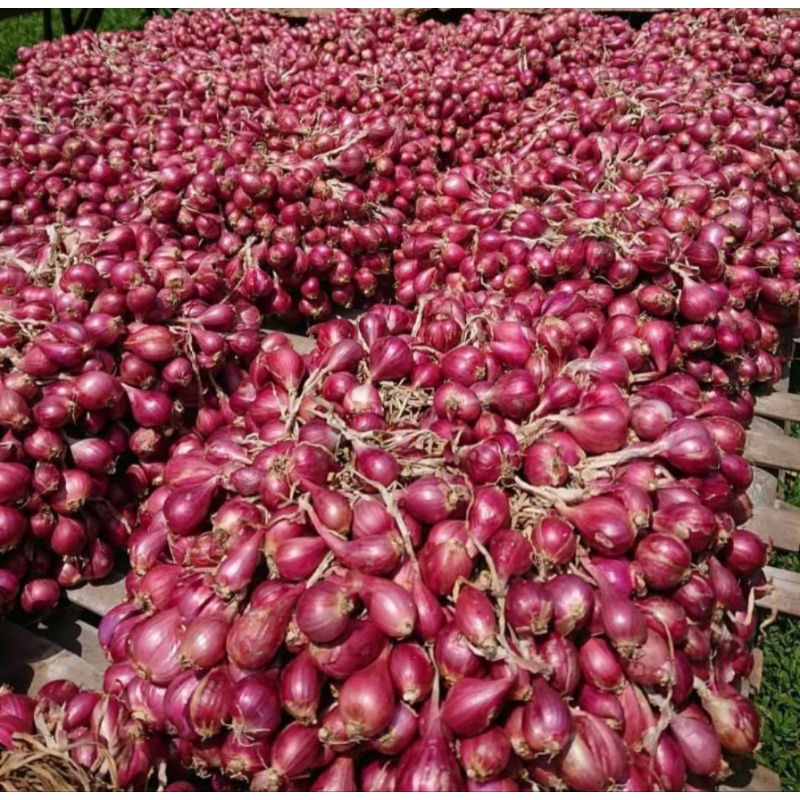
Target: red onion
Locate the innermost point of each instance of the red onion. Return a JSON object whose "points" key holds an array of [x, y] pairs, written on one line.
{"points": [[596, 758], [429, 765], [390, 359], [664, 560], [515, 394], [14, 411], [602, 522], [600, 665], [14, 482], [693, 523], [697, 741], [254, 638], [323, 611], [12, 527], [735, 718], [377, 465], [9, 725], [669, 763], [602, 704], [622, 622], [600, 429], [154, 647], [562, 657], [431, 500], [390, 607], [651, 665], [399, 734], [544, 466], [488, 512], [294, 751], [727, 590], [254, 707], [39, 596], [697, 598], [472, 704], [203, 642], [411, 672], [300, 688], [241, 758], [187, 508], [366, 700], [486, 755], [358, 646], [528, 608], [377, 776], [664, 614], [745, 553], [18, 706], [236, 571], [338, 777], [331, 508], [547, 724], [475, 618], [554, 541]]}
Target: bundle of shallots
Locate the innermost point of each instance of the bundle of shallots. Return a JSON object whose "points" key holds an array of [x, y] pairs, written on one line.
{"points": [[444, 550]]}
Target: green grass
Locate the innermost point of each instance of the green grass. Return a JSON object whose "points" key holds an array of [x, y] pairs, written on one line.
{"points": [[779, 697], [27, 30]]}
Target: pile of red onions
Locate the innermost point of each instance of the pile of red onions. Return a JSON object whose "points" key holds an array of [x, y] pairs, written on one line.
{"points": [[758, 49], [142, 249], [488, 538], [95, 730], [673, 187], [444, 550], [293, 182], [95, 391]]}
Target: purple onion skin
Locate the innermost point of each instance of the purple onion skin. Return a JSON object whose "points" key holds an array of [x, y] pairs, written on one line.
{"points": [[571, 291]]}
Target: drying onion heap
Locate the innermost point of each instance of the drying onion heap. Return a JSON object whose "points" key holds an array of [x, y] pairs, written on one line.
{"points": [[443, 551], [294, 181], [95, 730], [143, 248], [92, 397], [152, 246], [488, 537], [676, 190]]}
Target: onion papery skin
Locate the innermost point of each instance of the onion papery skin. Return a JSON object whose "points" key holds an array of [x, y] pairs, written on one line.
{"points": [[497, 507]]}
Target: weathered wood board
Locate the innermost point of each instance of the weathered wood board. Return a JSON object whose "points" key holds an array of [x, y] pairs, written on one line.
{"points": [[779, 406], [787, 591], [779, 525], [752, 777], [99, 598], [37, 661], [774, 450]]}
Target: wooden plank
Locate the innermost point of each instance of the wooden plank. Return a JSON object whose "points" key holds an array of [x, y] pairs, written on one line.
{"points": [[303, 344], [786, 597], [99, 597], [303, 13], [65, 628], [764, 488], [776, 450], [779, 525], [37, 661], [756, 674], [751, 777], [779, 405]]}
